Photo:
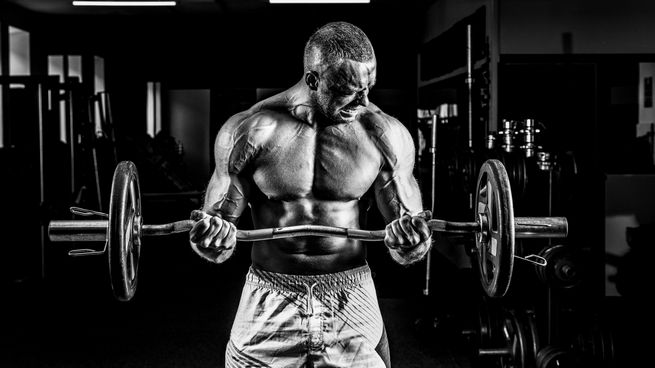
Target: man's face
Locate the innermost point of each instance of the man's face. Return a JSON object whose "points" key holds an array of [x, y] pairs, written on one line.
{"points": [[343, 88]]}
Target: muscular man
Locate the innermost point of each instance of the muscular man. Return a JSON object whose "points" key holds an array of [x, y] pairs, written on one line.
{"points": [[311, 155]]}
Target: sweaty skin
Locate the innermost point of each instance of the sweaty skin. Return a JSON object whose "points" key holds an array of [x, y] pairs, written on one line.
{"points": [[296, 161]]}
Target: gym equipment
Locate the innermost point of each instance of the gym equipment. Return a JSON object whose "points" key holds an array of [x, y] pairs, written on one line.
{"points": [[529, 131], [553, 356], [595, 344], [486, 322], [519, 340], [563, 269], [517, 170], [495, 228]]}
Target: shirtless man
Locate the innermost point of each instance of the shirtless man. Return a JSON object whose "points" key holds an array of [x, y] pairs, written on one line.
{"points": [[310, 155]]}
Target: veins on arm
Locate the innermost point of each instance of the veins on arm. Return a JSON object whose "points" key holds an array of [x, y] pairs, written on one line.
{"points": [[396, 190], [227, 191]]}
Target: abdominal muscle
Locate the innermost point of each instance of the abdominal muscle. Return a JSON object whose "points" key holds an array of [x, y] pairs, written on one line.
{"points": [[307, 254]]}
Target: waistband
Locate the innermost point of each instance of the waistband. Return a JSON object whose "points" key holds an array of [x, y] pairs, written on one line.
{"points": [[298, 283]]}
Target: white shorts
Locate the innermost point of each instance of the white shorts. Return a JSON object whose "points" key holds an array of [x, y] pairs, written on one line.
{"points": [[330, 320]]}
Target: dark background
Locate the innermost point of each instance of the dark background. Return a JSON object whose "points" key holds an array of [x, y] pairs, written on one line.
{"points": [[574, 67]]}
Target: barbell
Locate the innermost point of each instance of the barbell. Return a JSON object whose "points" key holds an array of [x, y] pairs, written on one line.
{"points": [[495, 229]]}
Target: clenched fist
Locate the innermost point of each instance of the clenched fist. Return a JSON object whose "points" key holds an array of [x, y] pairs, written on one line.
{"points": [[409, 238], [212, 237]]}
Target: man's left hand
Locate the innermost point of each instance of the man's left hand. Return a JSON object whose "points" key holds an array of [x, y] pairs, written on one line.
{"points": [[407, 232]]}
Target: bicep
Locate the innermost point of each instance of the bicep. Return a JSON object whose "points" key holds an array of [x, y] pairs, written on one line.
{"points": [[227, 192], [396, 190]]}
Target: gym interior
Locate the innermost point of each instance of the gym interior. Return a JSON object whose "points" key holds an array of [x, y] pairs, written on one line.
{"points": [[557, 93]]}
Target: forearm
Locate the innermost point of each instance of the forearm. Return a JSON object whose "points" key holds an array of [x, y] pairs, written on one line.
{"points": [[225, 198], [214, 196]]}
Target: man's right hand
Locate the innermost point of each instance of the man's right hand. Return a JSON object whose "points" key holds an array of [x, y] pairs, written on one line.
{"points": [[212, 237]]}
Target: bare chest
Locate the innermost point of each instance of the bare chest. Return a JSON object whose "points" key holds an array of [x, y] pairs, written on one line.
{"points": [[329, 164]]}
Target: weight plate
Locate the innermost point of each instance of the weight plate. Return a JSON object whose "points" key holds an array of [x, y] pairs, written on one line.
{"points": [[563, 269], [555, 357], [495, 241], [488, 322], [595, 344], [124, 231], [534, 345], [514, 337], [517, 171]]}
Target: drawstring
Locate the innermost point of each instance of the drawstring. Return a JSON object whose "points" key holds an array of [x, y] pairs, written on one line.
{"points": [[315, 324], [310, 298]]}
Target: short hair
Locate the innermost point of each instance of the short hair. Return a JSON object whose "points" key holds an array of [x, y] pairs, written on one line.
{"points": [[336, 41]]}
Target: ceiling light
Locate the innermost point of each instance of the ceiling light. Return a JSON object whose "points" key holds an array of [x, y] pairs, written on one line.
{"points": [[320, 1], [124, 3]]}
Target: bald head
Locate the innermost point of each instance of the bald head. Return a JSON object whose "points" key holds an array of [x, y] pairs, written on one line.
{"points": [[335, 42]]}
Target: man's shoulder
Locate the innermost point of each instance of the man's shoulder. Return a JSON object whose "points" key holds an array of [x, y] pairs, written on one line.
{"points": [[244, 134], [266, 112], [257, 118], [389, 134], [383, 126]]}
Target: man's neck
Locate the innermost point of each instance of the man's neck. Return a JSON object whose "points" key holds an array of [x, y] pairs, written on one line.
{"points": [[302, 106], [298, 101]]}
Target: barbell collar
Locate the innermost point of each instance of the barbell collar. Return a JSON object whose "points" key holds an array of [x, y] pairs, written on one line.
{"points": [[87, 252], [535, 259], [86, 212]]}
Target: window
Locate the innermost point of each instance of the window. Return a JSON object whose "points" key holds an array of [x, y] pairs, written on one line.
{"points": [[153, 105], [19, 51]]}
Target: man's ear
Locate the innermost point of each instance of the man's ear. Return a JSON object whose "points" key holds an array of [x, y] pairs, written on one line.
{"points": [[311, 78]]}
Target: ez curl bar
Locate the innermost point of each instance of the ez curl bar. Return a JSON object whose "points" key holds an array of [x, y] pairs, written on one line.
{"points": [[495, 229]]}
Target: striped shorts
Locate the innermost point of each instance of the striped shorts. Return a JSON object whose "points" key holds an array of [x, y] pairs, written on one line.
{"points": [[330, 320]]}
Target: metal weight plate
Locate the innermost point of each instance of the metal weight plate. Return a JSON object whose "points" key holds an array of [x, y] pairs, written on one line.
{"points": [[514, 337], [519, 333], [555, 357], [485, 322], [467, 165], [517, 171], [124, 231], [563, 269], [488, 322], [534, 345], [595, 344], [495, 240]]}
